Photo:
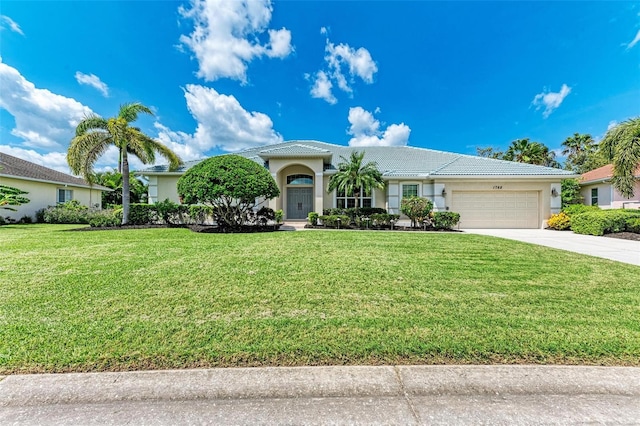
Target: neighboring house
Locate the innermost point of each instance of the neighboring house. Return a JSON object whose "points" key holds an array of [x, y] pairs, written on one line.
{"points": [[487, 193], [597, 190], [45, 187]]}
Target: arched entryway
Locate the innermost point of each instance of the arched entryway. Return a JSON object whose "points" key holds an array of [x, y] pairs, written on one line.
{"points": [[299, 195]]}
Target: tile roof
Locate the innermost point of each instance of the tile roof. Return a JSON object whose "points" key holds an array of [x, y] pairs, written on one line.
{"points": [[397, 161], [11, 166], [602, 173]]}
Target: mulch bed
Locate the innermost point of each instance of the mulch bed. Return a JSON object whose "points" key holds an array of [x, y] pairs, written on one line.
{"points": [[624, 236]]}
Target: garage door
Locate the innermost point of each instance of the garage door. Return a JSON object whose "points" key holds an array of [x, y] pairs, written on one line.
{"points": [[496, 209]]}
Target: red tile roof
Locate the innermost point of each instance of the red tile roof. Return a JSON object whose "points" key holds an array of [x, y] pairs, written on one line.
{"points": [[602, 173]]}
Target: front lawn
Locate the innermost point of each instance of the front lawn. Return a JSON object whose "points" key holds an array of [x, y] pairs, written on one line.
{"points": [[171, 298]]}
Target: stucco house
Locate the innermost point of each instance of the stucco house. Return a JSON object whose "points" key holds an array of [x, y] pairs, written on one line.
{"points": [[46, 187], [597, 190], [487, 193]]}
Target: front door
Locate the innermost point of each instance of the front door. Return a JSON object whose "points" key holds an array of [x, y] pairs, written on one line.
{"points": [[299, 202]]}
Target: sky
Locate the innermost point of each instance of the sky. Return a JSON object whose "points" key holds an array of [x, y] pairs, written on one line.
{"points": [[223, 76]]}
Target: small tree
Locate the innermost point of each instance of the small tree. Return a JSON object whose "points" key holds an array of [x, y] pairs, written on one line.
{"points": [[417, 209], [571, 192], [10, 196], [229, 183]]}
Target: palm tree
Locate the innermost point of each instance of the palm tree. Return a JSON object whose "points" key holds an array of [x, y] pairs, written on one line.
{"points": [[621, 146], [354, 178], [94, 135], [525, 151], [582, 153], [10, 196]]}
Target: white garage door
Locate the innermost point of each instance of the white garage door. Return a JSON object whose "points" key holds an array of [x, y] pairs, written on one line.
{"points": [[496, 209]]}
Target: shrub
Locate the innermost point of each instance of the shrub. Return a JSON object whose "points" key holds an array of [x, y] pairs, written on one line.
{"points": [[141, 214], [279, 214], [26, 219], [68, 212], [445, 220], [312, 217], [264, 215], [384, 219], [602, 222], [572, 209], [559, 221], [170, 213], [40, 216], [417, 209], [105, 218], [334, 221], [633, 225], [200, 214], [229, 183], [570, 192]]}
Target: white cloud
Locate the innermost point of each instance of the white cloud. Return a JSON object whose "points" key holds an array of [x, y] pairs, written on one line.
{"points": [[57, 160], [222, 123], [635, 41], [322, 87], [42, 119], [550, 100], [225, 36], [344, 64], [324, 30], [365, 130], [93, 81], [611, 125], [5, 21]]}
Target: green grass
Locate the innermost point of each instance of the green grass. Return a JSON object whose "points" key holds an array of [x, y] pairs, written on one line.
{"points": [[170, 298]]}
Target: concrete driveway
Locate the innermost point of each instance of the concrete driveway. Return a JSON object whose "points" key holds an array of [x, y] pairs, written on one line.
{"points": [[607, 248]]}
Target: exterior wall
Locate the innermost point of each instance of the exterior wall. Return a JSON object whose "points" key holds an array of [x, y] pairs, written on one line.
{"points": [[43, 195], [609, 198]]}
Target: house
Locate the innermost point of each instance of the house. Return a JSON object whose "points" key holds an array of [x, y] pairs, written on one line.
{"points": [[45, 187], [487, 193], [597, 190]]}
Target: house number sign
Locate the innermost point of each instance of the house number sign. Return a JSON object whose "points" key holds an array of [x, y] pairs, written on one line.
{"points": [[497, 187]]}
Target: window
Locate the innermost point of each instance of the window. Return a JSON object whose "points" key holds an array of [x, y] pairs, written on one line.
{"points": [[594, 196], [343, 201], [65, 195], [409, 191], [299, 180]]}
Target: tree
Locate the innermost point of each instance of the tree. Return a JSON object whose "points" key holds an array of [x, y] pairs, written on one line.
{"points": [[621, 146], [523, 151], [570, 193], [582, 153], [356, 179], [417, 209], [489, 152], [10, 196], [94, 135], [113, 180], [231, 184]]}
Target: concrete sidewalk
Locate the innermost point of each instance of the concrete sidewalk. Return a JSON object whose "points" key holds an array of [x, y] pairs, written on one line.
{"points": [[329, 395], [608, 248]]}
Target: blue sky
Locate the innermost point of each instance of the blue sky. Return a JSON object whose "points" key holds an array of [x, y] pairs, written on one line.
{"points": [[223, 76]]}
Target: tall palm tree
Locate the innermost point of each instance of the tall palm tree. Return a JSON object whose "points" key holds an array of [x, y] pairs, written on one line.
{"points": [[582, 153], [525, 151], [94, 135], [355, 178], [621, 146]]}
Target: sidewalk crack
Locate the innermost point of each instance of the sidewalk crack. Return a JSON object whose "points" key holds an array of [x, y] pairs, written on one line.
{"points": [[406, 396]]}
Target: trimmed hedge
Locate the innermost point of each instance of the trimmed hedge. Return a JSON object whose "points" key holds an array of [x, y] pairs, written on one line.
{"points": [[603, 221], [572, 209], [445, 220], [335, 220]]}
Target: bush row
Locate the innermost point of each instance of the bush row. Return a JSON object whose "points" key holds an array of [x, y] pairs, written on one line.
{"points": [[605, 222], [591, 220], [439, 220], [162, 213]]}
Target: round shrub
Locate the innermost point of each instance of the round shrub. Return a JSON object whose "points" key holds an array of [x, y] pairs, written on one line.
{"points": [[559, 222]]}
